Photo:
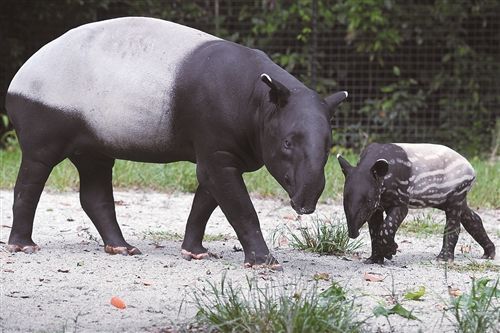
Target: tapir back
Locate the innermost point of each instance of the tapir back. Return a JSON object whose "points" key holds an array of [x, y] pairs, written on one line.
{"points": [[438, 173], [116, 75]]}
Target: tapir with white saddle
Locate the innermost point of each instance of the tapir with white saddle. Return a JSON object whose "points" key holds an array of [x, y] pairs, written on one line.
{"points": [[149, 90]]}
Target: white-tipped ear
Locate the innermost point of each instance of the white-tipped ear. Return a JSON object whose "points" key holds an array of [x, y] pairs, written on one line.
{"points": [[338, 155], [266, 77], [345, 93]]}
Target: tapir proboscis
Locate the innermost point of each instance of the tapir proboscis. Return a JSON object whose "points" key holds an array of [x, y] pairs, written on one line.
{"points": [[393, 177], [149, 90]]}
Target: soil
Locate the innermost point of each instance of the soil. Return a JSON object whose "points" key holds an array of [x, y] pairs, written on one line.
{"points": [[68, 285]]}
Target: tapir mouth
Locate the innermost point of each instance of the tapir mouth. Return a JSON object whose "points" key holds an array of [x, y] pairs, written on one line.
{"points": [[302, 210], [353, 234]]}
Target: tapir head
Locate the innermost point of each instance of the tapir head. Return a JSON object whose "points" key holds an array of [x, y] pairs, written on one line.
{"points": [[362, 190], [296, 139]]}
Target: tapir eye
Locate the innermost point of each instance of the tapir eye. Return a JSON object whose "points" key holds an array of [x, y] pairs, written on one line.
{"points": [[287, 144]]}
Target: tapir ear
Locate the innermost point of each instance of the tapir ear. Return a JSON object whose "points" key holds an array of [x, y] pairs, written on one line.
{"points": [[279, 93], [334, 100], [380, 168], [344, 165]]}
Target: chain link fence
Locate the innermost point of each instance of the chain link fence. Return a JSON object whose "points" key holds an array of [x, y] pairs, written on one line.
{"points": [[416, 71]]}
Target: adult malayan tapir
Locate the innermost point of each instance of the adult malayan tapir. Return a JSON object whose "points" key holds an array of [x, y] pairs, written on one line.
{"points": [[394, 177], [149, 90]]}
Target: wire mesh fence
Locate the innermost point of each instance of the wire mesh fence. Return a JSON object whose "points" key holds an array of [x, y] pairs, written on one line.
{"points": [[415, 70]]}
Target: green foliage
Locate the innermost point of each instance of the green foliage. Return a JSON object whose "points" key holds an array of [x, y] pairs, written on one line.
{"points": [[424, 223], [397, 309], [324, 237], [271, 307], [479, 310], [415, 295]]}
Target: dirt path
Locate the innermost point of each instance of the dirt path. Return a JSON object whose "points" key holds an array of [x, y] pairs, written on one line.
{"points": [[67, 286]]}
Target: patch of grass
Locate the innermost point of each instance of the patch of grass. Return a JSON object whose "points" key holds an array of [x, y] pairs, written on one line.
{"points": [[161, 236], [486, 190], [257, 308], [475, 266], [324, 237], [479, 310], [217, 237], [181, 176], [423, 224]]}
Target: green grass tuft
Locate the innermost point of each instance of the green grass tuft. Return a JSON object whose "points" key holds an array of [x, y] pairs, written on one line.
{"points": [[181, 176], [324, 237], [257, 308], [479, 310], [424, 224]]}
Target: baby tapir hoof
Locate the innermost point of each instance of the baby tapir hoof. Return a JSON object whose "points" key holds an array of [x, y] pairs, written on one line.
{"points": [[23, 248], [489, 252], [123, 250], [445, 256], [375, 260]]}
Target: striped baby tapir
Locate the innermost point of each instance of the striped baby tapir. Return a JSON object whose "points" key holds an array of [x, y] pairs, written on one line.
{"points": [[149, 90], [391, 178]]}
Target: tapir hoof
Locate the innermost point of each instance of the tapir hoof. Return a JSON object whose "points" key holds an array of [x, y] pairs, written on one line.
{"points": [[445, 258], [23, 248], [196, 256], [488, 255], [123, 250], [268, 262], [375, 260], [274, 267]]}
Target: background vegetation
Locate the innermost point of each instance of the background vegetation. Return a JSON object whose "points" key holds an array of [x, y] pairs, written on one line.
{"points": [[415, 70]]}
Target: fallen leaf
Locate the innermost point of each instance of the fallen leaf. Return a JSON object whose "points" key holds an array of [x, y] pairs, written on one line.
{"points": [[455, 292], [118, 302], [283, 241], [415, 295], [321, 276], [373, 277]]}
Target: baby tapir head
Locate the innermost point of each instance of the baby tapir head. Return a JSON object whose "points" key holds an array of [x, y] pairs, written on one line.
{"points": [[362, 190], [296, 140]]}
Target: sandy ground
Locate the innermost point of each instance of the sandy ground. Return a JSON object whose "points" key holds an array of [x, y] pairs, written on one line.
{"points": [[67, 286]]}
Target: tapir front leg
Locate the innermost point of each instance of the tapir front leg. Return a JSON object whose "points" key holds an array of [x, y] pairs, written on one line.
{"points": [[374, 224], [228, 188], [203, 206], [387, 232]]}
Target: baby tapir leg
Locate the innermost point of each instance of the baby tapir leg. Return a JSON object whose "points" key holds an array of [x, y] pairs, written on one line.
{"points": [[393, 220], [451, 232], [474, 226], [203, 206], [96, 198], [374, 224]]}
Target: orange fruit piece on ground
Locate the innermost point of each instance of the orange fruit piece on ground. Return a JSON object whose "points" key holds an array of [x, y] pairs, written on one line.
{"points": [[118, 302]]}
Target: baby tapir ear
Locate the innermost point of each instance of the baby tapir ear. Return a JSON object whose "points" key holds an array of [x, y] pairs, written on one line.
{"points": [[344, 165], [334, 100], [279, 93], [380, 168]]}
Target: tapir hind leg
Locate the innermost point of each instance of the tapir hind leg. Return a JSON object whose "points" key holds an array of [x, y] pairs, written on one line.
{"points": [[96, 198], [474, 226], [451, 232], [203, 206], [33, 174]]}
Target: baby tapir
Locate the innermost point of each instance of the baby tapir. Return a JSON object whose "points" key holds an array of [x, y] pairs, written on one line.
{"points": [[393, 177], [149, 90]]}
